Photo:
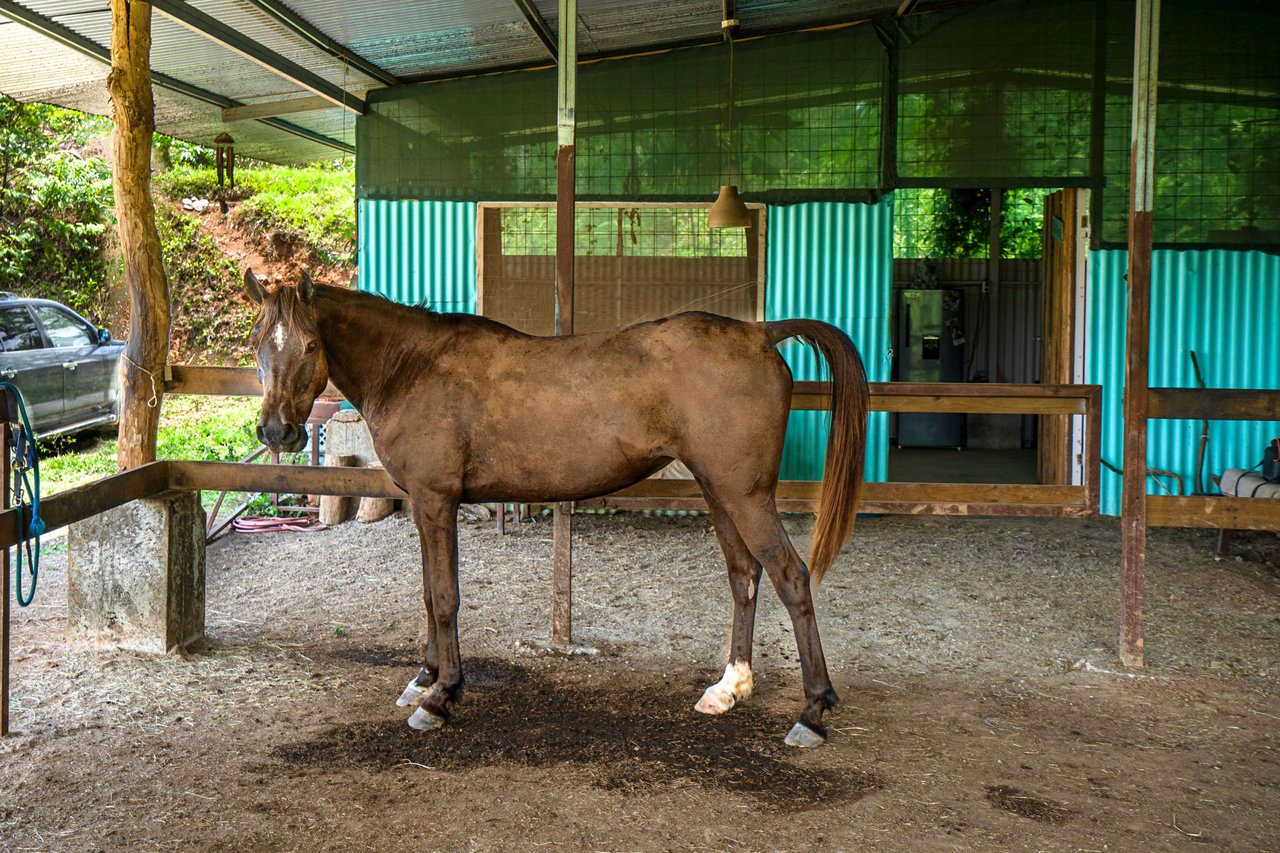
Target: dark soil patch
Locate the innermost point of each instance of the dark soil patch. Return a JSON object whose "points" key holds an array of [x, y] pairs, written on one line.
{"points": [[376, 656], [1012, 800], [633, 733]]}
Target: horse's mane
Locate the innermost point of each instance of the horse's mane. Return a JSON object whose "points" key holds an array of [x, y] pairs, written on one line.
{"points": [[283, 305]]}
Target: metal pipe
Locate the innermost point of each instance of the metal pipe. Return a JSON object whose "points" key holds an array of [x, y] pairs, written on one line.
{"points": [[1133, 506]]}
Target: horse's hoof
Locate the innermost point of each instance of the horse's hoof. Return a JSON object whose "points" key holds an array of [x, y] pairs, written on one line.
{"points": [[715, 701], [424, 721], [412, 694], [803, 736]]}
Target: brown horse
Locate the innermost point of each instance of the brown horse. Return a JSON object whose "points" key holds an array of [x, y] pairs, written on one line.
{"points": [[462, 408]]}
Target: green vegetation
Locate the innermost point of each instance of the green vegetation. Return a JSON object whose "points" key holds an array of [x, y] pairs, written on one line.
{"points": [[209, 319], [219, 429], [55, 206], [312, 204], [939, 223]]}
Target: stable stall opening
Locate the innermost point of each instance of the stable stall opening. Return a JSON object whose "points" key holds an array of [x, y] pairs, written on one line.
{"points": [[958, 316]]}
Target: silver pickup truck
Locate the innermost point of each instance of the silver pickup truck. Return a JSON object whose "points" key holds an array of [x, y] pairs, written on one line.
{"points": [[64, 366]]}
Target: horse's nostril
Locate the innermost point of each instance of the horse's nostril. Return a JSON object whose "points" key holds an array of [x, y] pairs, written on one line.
{"points": [[262, 435]]}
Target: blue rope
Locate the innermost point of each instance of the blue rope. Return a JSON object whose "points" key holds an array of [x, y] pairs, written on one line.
{"points": [[26, 460]]}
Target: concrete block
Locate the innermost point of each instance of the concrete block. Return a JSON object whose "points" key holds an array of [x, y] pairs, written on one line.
{"points": [[346, 434], [135, 574]]}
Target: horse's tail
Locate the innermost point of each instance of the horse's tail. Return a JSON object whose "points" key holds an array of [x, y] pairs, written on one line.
{"points": [[846, 441]]}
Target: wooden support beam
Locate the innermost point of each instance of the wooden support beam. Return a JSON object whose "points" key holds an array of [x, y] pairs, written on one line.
{"points": [[1133, 506], [566, 132], [189, 16], [1215, 404], [141, 366], [270, 109], [1226, 513], [59, 510], [291, 479]]}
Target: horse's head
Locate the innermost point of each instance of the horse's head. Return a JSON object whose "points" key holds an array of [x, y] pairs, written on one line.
{"points": [[291, 361]]}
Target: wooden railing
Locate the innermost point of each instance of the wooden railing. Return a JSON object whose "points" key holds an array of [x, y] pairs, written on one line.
{"points": [[1220, 511], [793, 496]]}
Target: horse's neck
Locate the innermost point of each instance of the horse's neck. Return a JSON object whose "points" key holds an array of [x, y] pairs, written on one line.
{"points": [[363, 351]]}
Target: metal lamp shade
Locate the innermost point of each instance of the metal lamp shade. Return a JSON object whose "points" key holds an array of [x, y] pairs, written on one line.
{"points": [[728, 211]]}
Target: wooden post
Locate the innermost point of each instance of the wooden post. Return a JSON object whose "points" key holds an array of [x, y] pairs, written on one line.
{"points": [[1133, 509], [142, 367], [566, 126], [993, 290]]}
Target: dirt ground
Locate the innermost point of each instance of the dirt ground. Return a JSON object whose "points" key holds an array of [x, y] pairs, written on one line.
{"points": [[982, 704]]}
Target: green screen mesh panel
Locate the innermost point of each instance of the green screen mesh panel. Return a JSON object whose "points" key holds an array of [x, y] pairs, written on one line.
{"points": [[806, 117], [996, 95], [1217, 125], [999, 94]]}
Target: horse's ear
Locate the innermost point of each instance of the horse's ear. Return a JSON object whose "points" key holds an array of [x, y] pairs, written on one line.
{"points": [[306, 288], [254, 288]]}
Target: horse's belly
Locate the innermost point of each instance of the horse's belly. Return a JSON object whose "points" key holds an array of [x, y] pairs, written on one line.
{"points": [[556, 475]]}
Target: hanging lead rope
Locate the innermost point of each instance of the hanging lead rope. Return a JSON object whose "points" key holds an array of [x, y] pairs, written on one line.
{"points": [[25, 461]]}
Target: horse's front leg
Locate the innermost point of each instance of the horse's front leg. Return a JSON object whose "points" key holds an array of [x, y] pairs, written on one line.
{"points": [[421, 683], [437, 520]]}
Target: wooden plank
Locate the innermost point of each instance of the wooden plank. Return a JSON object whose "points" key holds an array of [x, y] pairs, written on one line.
{"points": [[291, 479], [270, 109], [59, 510], [914, 493], [1215, 404], [223, 381], [1220, 512], [1003, 509], [219, 381], [955, 397]]}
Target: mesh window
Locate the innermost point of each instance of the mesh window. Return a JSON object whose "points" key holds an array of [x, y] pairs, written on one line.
{"points": [[998, 94], [632, 264], [1010, 93], [806, 125]]}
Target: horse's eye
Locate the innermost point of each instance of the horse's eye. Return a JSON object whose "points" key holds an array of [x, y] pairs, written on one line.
{"points": [[311, 347]]}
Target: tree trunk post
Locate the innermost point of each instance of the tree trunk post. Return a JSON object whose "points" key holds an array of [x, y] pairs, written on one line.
{"points": [[141, 368]]}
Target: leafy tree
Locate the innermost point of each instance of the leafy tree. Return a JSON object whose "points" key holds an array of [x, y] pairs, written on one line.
{"points": [[55, 206]]}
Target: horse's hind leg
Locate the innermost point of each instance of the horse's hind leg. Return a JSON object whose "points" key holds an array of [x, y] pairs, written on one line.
{"points": [[757, 520], [744, 582], [421, 683]]}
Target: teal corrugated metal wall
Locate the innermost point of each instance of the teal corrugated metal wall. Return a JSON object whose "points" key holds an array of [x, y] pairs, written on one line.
{"points": [[827, 261], [419, 251], [1222, 305], [832, 261]]}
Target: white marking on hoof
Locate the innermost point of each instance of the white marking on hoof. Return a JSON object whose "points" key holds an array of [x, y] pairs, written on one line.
{"points": [[412, 694], [424, 721], [803, 736], [733, 687]]}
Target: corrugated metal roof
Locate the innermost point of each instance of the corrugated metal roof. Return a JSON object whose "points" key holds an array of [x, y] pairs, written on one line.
{"points": [[411, 39]]}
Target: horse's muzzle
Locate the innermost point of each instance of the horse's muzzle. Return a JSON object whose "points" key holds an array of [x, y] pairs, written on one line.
{"points": [[290, 438]]}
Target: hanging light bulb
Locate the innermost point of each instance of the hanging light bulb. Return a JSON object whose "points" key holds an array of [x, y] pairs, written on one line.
{"points": [[729, 211]]}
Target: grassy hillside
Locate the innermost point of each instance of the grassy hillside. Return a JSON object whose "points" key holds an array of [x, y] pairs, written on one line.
{"points": [[58, 229]]}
